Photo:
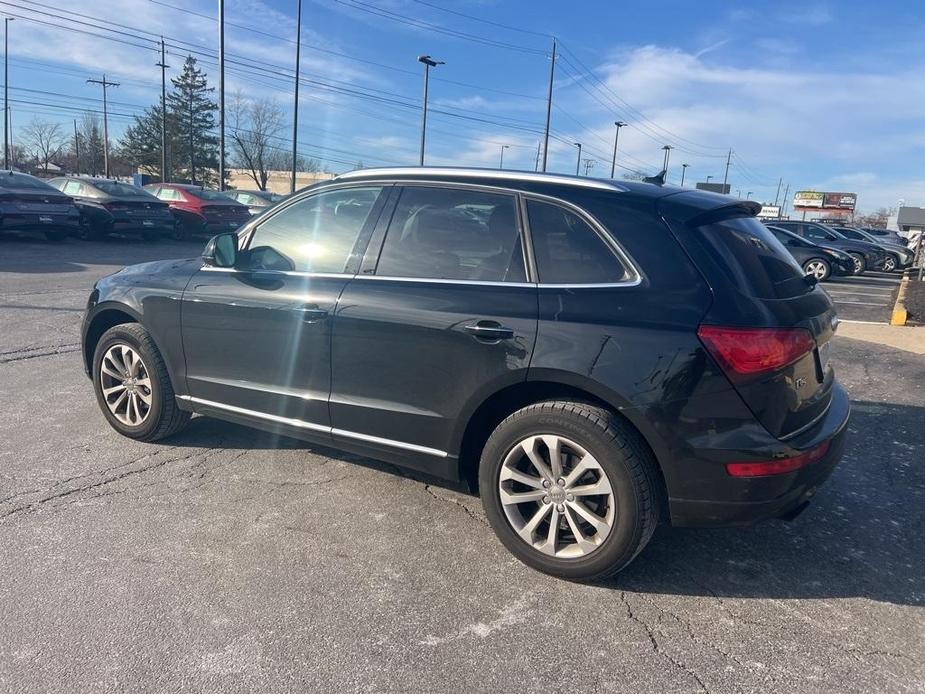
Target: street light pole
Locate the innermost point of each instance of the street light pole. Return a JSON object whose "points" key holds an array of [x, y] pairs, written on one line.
{"points": [[221, 94], [428, 64], [748, 195], [667, 149], [163, 66], [295, 105], [577, 163], [501, 163], [6, 91], [552, 79], [683, 171], [616, 138]]}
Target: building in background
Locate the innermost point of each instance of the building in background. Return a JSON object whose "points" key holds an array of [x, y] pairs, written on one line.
{"points": [[277, 181], [769, 212], [818, 206], [910, 220], [722, 188]]}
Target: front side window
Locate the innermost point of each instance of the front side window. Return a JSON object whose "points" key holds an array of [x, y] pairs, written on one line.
{"points": [[456, 234], [818, 233], [316, 234], [568, 250]]}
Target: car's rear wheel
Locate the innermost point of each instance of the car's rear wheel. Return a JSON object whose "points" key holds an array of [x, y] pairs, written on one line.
{"points": [[860, 264], [570, 489], [818, 268], [132, 386], [88, 230], [180, 232], [889, 265]]}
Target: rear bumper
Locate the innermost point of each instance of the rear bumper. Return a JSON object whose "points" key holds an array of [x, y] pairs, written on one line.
{"points": [[39, 222], [138, 226], [743, 501]]}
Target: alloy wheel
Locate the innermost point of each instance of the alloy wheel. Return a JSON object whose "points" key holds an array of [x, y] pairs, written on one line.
{"points": [[817, 269], [858, 265], [556, 496], [126, 385], [889, 264]]}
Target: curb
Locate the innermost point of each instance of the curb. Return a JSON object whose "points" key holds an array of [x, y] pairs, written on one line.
{"points": [[900, 315]]}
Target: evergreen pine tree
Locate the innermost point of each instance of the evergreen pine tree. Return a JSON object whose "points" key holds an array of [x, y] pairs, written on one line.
{"points": [[193, 111]]}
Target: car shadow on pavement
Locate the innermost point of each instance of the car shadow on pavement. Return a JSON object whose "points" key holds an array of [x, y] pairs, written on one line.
{"points": [[863, 535], [31, 255]]}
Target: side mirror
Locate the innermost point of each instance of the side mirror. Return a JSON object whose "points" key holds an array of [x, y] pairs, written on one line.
{"points": [[221, 250]]}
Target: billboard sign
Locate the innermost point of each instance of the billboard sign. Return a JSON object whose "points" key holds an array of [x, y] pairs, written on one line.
{"points": [[840, 201], [769, 212], [808, 198]]}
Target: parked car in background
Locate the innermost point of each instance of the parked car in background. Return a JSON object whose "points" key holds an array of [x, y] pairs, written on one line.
{"points": [[28, 203], [588, 354], [108, 207], [815, 259], [867, 256], [898, 257], [200, 211], [257, 201], [885, 235]]}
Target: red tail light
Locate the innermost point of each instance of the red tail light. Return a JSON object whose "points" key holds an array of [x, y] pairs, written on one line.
{"points": [[750, 351], [780, 466]]}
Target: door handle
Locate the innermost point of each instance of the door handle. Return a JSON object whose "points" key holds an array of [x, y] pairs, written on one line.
{"points": [[489, 330], [312, 314]]}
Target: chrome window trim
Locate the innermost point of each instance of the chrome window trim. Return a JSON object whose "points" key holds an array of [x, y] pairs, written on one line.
{"points": [[439, 280], [301, 424], [289, 273], [439, 172]]}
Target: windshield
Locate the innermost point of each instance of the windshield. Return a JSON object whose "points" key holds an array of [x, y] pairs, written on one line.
{"points": [[206, 194], [123, 189]]}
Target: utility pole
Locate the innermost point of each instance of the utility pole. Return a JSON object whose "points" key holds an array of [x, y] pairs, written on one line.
{"points": [[552, 79], [777, 194], [76, 149], [783, 206], [728, 160], [163, 66], [501, 163], [683, 171], [221, 94], [295, 106], [589, 164], [192, 153], [616, 138], [428, 64], [6, 92], [536, 164], [105, 83], [667, 149], [578, 162]]}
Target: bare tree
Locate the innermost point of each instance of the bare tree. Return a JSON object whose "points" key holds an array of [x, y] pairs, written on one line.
{"points": [[879, 218], [45, 139], [256, 140]]}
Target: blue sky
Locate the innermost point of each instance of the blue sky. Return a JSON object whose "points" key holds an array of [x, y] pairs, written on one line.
{"points": [[827, 96]]}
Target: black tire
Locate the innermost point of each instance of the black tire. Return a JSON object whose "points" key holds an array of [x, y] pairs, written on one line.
{"points": [[180, 232], [56, 235], [824, 269], [891, 263], [860, 263], [622, 455], [164, 417], [89, 231]]}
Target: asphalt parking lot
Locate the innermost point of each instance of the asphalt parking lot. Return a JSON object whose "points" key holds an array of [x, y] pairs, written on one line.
{"points": [[868, 297], [227, 560]]}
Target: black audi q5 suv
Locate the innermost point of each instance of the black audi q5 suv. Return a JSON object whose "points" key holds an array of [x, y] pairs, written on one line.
{"points": [[591, 356]]}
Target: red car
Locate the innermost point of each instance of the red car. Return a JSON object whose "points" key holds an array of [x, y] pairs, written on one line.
{"points": [[199, 210]]}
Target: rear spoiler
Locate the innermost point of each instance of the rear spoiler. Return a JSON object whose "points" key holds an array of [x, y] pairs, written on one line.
{"points": [[738, 208]]}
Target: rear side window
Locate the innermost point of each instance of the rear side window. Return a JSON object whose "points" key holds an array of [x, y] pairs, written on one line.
{"points": [[457, 234], [817, 233], [568, 250], [755, 261]]}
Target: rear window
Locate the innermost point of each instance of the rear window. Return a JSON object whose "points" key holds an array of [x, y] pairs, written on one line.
{"points": [[206, 194], [754, 259], [16, 180], [121, 189]]}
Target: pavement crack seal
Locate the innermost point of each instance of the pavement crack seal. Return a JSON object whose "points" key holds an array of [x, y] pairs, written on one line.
{"points": [[472, 514], [656, 647], [36, 352]]}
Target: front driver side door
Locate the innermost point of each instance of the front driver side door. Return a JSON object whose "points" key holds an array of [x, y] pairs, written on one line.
{"points": [[257, 336]]}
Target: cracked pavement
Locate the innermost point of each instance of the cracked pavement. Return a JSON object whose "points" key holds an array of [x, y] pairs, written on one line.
{"points": [[230, 560]]}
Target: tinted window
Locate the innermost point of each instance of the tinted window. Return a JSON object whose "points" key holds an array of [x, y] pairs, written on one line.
{"points": [[444, 233], [206, 194], [169, 194], [817, 233], [17, 180], [788, 239], [316, 234], [568, 250], [754, 259], [123, 189]]}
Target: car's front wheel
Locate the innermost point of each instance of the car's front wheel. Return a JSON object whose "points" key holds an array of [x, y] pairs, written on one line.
{"points": [[860, 263], [818, 268], [889, 265], [570, 489], [132, 386]]}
